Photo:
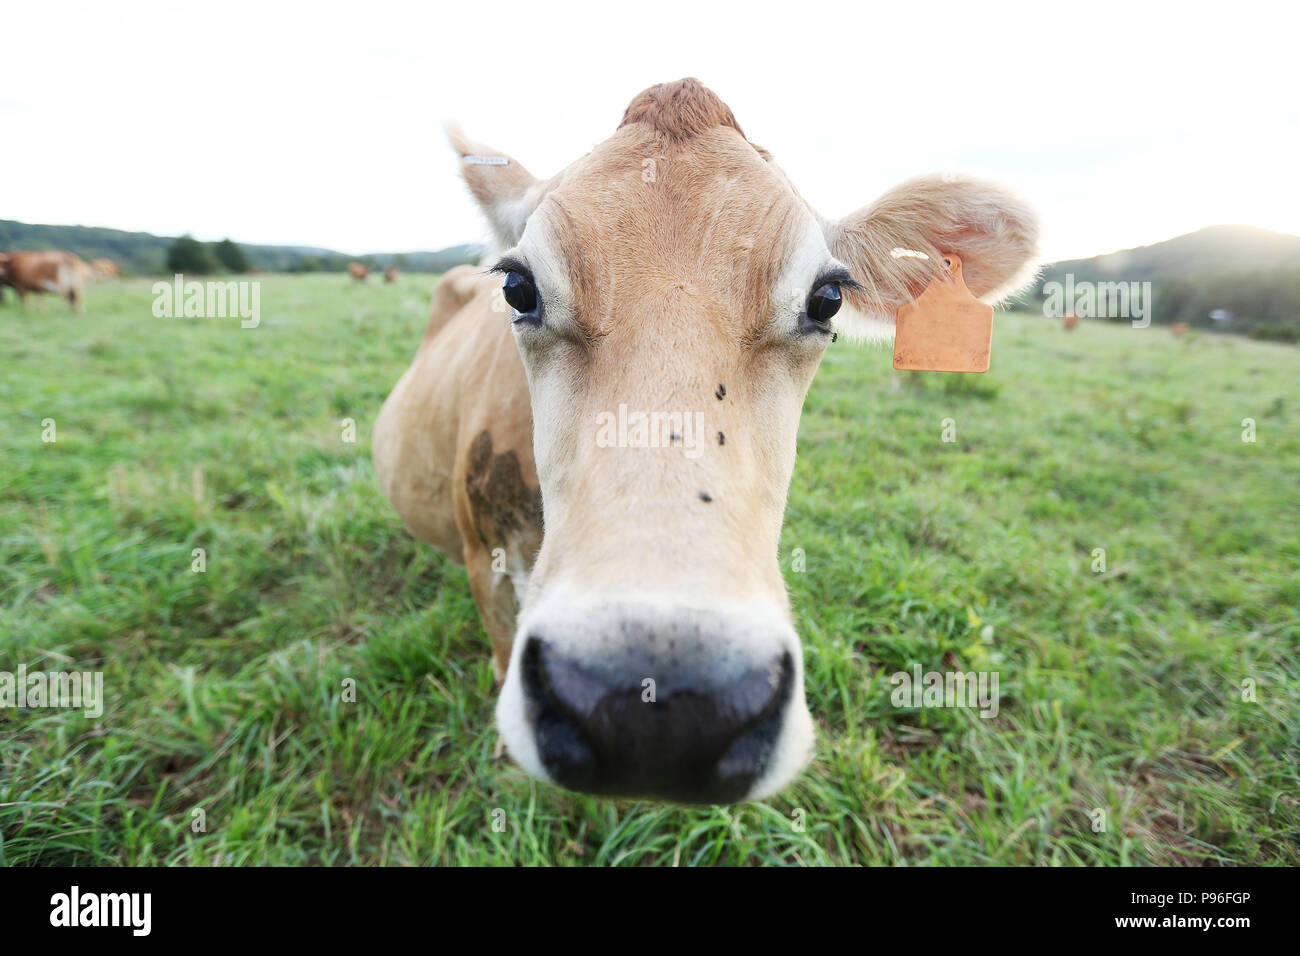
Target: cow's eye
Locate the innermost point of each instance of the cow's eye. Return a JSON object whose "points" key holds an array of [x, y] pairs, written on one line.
{"points": [[822, 306], [520, 293]]}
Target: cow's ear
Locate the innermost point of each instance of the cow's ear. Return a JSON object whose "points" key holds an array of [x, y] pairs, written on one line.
{"points": [[894, 247], [505, 191]]}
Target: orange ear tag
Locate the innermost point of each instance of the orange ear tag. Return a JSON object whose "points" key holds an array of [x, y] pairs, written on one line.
{"points": [[946, 329]]}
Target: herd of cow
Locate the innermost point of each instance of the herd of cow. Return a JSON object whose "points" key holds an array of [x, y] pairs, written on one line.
{"points": [[61, 273], [360, 271], [65, 274]]}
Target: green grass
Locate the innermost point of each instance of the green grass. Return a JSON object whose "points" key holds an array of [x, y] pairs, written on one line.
{"points": [[1120, 690]]}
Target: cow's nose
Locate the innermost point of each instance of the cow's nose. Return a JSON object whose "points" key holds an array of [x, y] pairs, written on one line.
{"points": [[607, 728]]}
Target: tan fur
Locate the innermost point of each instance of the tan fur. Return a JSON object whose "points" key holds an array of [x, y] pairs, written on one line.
{"points": [[358, 271], [465, 380], [670, 299], [679, 110]]}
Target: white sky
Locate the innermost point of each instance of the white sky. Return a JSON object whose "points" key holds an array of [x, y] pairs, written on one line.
{"points": [[311, 124]]}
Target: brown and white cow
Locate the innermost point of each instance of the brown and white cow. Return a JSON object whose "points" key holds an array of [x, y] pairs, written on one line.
{"points": [[61, 273], [671, 275], [358, 271], [390, 274]]}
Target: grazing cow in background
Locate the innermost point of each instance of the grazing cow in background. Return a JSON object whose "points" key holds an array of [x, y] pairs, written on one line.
{"points": [[104, 268], [48, 271], [390, 274], [1179, 328], [1070, 322], [673, 273], [358, 271]]}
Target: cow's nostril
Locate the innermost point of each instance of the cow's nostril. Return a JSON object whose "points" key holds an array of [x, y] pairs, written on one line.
{"points": [[695, 739], [564, 752]]}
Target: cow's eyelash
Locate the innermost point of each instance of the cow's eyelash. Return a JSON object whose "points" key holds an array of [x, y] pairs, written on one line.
{"points": [[840, 276], [511, 264]]}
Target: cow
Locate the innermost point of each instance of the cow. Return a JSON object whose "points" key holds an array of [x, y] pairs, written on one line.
{"points": [[104, 268], [1179, 328], [53, 271], [358, 271], [640, 626], [1070, 322], [390, 274]]}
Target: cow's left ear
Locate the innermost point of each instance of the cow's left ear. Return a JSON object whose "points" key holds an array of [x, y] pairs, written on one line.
{"points": [[894, 247], [505, 191]]}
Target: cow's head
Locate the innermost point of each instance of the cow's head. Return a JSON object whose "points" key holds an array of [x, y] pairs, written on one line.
{"points": [[672, 296]]}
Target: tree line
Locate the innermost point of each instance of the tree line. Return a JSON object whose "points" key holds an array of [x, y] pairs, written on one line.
{"points": [[186, 254]]}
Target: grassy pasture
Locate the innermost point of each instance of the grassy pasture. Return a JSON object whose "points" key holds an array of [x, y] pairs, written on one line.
{"points": [[1122, 689]]}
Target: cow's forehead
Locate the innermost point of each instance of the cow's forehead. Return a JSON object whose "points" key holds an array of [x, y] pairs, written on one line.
{"points": [[643, 211]]}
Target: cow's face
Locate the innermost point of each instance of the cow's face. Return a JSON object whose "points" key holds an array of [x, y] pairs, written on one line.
{"points": [[671, 297]]}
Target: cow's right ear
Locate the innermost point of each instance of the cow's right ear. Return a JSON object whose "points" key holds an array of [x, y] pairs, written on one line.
{"points": [[505, 191]]}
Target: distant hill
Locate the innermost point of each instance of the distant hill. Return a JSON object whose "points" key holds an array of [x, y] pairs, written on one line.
{"points": [[1248, 279], [143, 253], [1212, 249]]}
